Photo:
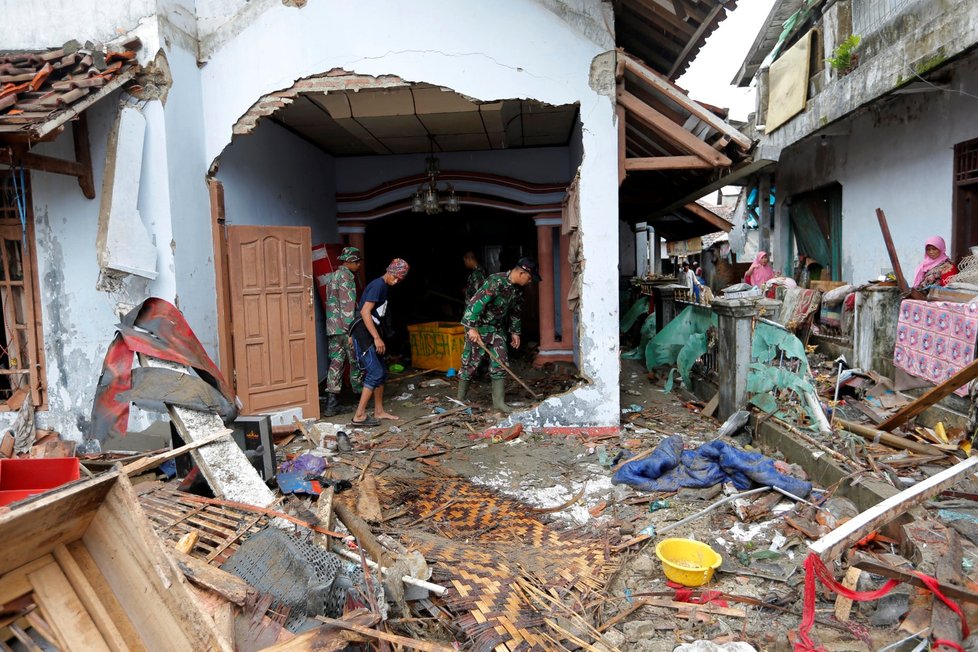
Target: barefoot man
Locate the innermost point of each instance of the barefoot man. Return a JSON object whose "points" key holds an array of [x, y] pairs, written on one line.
{"points": [[369, 345]]}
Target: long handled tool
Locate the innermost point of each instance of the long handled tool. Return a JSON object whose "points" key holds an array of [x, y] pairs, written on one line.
{"points": [[503, 365]]}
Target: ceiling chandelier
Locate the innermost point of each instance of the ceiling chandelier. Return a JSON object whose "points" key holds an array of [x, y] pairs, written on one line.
{"points": [[427, 198]]}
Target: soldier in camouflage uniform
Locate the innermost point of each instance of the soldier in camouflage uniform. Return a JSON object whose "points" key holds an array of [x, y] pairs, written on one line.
{"points": [[341, 305], [477, 275], [491, 313]]}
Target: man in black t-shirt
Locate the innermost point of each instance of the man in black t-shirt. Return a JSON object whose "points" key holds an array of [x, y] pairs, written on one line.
{"points": [[368, 343]]}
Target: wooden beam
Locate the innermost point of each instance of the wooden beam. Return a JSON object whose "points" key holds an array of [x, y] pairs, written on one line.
{"points": [[836, 542], [893, 573], [622, 144], [662, 17], [411, 643], [693, 42], [667, 163], [672, 131], [42, 163], [891, 250], [893, 441], [709, 216], [673, 92], [907, 412], [90, 599], [83, 154]]}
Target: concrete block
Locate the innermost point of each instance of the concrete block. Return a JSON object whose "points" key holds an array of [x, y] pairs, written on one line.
{"points": [[284, 417]]}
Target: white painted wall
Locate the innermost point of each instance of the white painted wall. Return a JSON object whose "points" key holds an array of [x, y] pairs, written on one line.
{"points": [[274, 178], [898, 157], [490, 51]]}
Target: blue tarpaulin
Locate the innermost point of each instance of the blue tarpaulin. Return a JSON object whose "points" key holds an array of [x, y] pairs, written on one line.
{"points": [[670, 467]]}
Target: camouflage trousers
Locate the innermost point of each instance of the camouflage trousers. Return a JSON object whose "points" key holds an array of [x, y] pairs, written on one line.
{"points": [[340, 351], [473, 354]]}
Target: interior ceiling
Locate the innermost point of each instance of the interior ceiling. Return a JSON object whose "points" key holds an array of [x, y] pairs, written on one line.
{"points": [[414, 119]]}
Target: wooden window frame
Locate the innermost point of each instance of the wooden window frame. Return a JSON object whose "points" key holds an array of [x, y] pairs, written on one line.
{"points": [[35, 331]]}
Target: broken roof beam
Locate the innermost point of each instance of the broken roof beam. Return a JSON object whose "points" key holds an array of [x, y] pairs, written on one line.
{"points": [[709, 24], [671, 91], [671, 131], [707, 215], [846, 535], [76, 109], [666, 163]]}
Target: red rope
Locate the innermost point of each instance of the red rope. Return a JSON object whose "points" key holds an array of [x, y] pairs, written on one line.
{"points": [[815, 569]]}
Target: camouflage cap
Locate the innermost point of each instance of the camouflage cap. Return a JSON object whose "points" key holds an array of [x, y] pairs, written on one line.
{"points": [[350, 255]]}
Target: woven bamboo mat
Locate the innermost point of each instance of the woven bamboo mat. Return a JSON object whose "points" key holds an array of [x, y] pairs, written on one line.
{"points": [[513, 575]]}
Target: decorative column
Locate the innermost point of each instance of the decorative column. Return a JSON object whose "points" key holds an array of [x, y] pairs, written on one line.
{"points": [[734, 317], [545, 258], [566, 316], [354, 234], [642, 253], [551, 294]]}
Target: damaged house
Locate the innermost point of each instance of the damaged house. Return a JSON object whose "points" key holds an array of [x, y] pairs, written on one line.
{"points": [[200, 151]]}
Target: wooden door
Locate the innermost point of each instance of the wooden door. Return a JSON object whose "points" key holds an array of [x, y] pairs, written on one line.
{"points": [[272, 318]]}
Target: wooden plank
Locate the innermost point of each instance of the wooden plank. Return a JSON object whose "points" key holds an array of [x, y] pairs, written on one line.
{"points": [[664, 86], [68, 617], [231, 587], [694, 41], [147, 463], [711, 405], [843, 605], [14, 583], [83, 154], [833, 544], [146, 581], [893, 441], [61, 516], [702, 608], [219, 610], [788, 84], [94, 576], [90, 599], [708, 216], [933, 396], [411, 643], [368, 503], [885, 570], [672, 131], [666, 163], [894, 258], [622, 143]]}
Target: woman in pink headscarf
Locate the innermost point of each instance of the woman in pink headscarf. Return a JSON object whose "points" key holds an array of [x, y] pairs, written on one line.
{"points": [[937, 268], [760, 271]]}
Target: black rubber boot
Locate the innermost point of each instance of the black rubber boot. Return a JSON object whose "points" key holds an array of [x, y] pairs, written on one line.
{"points": [[332, 405], [463, 388], [499, 395]]}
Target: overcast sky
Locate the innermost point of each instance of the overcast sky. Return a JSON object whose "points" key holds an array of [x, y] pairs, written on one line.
{"points": [[708, 77]]}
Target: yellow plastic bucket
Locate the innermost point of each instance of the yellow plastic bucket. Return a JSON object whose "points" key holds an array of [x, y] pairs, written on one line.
{"points": [[687, 562]]}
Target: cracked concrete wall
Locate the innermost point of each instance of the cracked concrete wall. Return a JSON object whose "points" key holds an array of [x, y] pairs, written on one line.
{"points": [[898, 156], [78, 322], [491, 51]]}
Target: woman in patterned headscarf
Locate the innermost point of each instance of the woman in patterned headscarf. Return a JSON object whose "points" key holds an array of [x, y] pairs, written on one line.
{"points": [[937, 268]]}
